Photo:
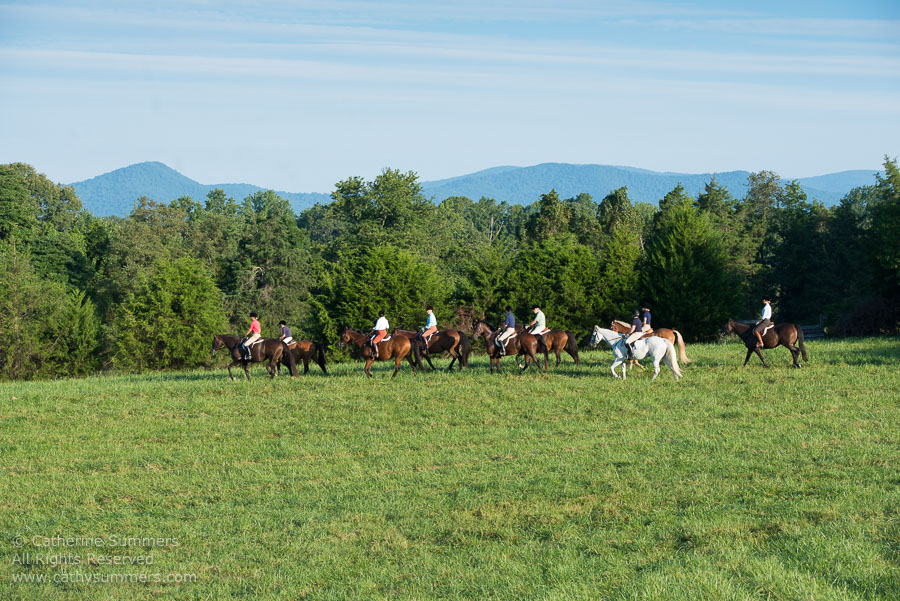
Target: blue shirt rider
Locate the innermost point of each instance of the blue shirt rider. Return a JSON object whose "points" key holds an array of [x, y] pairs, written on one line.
{"points": [[509, 328]]}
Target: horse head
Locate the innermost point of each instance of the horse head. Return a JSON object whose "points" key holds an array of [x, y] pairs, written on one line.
{"points": [[345, 338], [727, 329], [217, 343], [480, 328]]}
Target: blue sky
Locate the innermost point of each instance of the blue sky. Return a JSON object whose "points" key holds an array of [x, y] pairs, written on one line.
{"points": [[298, 95]]}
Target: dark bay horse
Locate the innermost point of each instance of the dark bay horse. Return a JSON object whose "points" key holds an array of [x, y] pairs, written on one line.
{"points": [[673, 336], [397, 348], [522, 343], [783, 334], [306, 350], [270, 349], [454, 342]]}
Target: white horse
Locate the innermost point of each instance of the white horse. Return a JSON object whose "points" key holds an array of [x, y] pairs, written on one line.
{"points": [[658, 348]]}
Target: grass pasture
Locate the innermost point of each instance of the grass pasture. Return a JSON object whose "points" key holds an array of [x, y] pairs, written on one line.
{"points": [[729, 484]]}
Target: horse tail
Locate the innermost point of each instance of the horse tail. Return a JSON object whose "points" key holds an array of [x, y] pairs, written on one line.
{"points": [[680, 341], [465, 348], [800, 342], [417, 353], [320, 356], [671, 358], [286, 354], [572, 346]]}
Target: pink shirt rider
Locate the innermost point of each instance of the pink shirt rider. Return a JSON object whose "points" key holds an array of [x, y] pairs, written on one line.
{"points": [[255, 327]]}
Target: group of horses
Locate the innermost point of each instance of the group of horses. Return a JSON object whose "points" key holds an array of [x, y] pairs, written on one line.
{"points": [[660, 345]]}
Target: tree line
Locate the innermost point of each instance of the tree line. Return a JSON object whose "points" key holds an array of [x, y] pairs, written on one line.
{"points": [[80, 294]]}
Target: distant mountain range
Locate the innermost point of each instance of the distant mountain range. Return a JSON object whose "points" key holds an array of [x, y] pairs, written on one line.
{"points": [[115, 193]]}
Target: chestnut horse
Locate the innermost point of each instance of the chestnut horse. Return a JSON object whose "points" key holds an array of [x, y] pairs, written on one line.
{"points": [[673, 336], [396, 347], [783, 334], [452, 341], [304, 350], [268, 348], [522, 343]]}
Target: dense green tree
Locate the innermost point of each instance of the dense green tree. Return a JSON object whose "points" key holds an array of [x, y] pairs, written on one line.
{"points": [[885, 231], [366, 280], [562, 276], [44, 331], [272, 271], [169, 320], [686, 275]]}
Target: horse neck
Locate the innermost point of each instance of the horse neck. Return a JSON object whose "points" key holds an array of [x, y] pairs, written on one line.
{"points": [[738, 327], [357, 338], [621, 324], [227, 340]]}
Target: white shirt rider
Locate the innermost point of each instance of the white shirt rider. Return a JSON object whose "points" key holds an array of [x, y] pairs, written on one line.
{"points": [[382, 324]]}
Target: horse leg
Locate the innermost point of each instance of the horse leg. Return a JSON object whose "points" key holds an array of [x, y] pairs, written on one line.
{"points": [[749, 354], [613, 367], [795, 353], [246, 365], [305, 365], [759, 353], [558, 358], [230, 375], [655, 368], [369, 362], [397, 365], [412, 362]]}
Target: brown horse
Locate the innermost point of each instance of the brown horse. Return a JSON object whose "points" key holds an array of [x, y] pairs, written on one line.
{"points": [[673, 336], [397, 348], [522, 343], [561, 340], [269, 349], [454, 342], [304, 350], [784, 334]]}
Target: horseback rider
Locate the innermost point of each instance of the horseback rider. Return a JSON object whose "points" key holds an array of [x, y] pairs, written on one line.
{"points": [[635, 332], [765, 320], [429, 329], [285, 333], [251, 336], [539, 324], [381, 327], [645, 318], [509, 328]]}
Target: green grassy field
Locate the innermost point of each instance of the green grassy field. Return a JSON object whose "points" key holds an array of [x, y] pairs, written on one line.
{"points": [[729, 484]]}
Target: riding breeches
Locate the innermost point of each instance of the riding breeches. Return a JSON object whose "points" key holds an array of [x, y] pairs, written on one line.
{"points": [[634, 336], [761, 326], [505, 334]]}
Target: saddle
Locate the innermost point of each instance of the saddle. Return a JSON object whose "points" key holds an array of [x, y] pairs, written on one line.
{"points": [[385, 339]]}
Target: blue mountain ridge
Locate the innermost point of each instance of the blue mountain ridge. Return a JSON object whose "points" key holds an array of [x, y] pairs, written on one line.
{"points": [[115, 193]]}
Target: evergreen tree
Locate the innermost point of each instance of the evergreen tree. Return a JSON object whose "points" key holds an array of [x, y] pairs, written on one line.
{"points": [[686, 275], [169, 320]]}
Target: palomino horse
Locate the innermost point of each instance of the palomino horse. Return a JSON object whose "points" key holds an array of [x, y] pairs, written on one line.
{"points": [[673, 336], [268, 348], [454, 342], [784, 334], [522, 343], [658, 348], [396, 347], [304, 350]]}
